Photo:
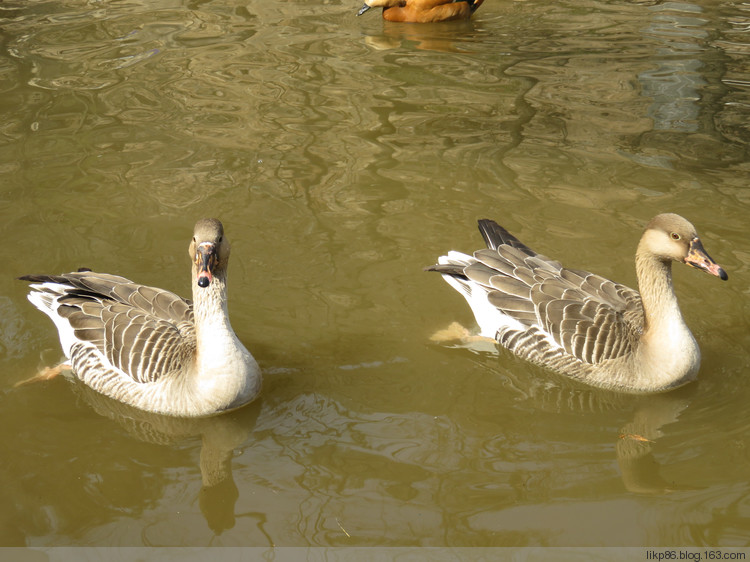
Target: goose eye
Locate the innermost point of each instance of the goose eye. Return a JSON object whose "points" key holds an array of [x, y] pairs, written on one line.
{"points": [[675, 236], [220, 239]]}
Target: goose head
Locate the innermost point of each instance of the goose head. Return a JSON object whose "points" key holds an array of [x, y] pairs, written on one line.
{"points": [[209, 251], [669, 237]]}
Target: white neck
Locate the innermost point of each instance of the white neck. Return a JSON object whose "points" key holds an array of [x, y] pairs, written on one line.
{"points": [[224, 368], [211, 313], [669, 350]]}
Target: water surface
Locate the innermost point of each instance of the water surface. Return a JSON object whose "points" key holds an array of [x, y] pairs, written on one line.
{"points": [[343, 155]]}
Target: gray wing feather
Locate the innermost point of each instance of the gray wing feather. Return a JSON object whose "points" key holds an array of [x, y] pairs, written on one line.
{"points": [[142, 331], [589, 316]]}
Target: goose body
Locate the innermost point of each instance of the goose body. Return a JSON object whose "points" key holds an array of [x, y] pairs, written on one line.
{"points": [[148, 347], [581, 324], [423, 11]]}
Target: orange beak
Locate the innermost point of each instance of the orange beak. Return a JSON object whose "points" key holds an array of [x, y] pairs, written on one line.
{"points": [[205, 259], [698, 258]]}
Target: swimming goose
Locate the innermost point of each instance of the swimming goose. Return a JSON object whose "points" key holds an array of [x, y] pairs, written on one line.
{"points": [[580, 324], [147, 347], [423, 11]]}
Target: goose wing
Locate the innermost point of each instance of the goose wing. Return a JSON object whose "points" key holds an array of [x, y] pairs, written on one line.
{"points": [[141, 331], [588, 316]]}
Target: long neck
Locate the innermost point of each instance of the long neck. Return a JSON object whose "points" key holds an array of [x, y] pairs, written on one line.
{"points": [[668, 350], [660, 306], [225, 374], [213, 331]]}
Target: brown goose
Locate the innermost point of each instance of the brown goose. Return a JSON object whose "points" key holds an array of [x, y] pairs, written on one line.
{"points": [[580, 324], [149, 348]]}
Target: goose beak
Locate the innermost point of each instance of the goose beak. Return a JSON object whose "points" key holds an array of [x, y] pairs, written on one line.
{"points": [[205, 259], [698, 258], [363, 9]]}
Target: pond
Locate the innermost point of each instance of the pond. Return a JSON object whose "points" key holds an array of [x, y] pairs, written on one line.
{"points": [[344, 154]]}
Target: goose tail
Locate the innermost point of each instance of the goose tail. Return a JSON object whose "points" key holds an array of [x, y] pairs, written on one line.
{"points": [[495, 236]]}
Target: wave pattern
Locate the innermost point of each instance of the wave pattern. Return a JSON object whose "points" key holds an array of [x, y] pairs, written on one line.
{"points": [[344, 154]]}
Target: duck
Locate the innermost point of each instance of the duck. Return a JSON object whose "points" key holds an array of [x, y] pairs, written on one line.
{"points": [[148, 347], [580, 324], [423, 11]]}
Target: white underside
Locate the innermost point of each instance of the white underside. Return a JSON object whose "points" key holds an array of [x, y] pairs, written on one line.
{"points": [[489, 318]]}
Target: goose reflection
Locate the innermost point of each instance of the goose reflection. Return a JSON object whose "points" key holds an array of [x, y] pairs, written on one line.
{"points": [[635, 439], [220, 436], [640, 470], [634, 449]]}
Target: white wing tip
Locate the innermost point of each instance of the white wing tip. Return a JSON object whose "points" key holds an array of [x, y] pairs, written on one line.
{"points": [[456, 258]]}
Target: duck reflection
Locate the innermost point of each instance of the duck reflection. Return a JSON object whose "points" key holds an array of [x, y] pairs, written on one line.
{"points": [[441, 37], [220, 436]]}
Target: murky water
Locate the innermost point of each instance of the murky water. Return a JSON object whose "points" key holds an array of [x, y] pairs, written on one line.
{"points": [[343, 155]]}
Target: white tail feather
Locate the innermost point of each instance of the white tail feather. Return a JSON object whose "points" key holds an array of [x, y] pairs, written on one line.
{"points": [[489, 318], [44, 297]]}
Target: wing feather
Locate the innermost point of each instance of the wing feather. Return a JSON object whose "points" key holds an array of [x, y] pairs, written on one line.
{"points": [[140, 331], [559, 313], [588, 316], [494, 261]]}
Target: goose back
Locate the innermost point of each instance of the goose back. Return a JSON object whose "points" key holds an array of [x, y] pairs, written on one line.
{"points": [[584, 316], [114, 324]]}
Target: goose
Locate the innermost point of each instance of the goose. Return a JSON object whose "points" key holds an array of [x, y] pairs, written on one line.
{"points": [[148, 347], [580, 324], [423, 11]]}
